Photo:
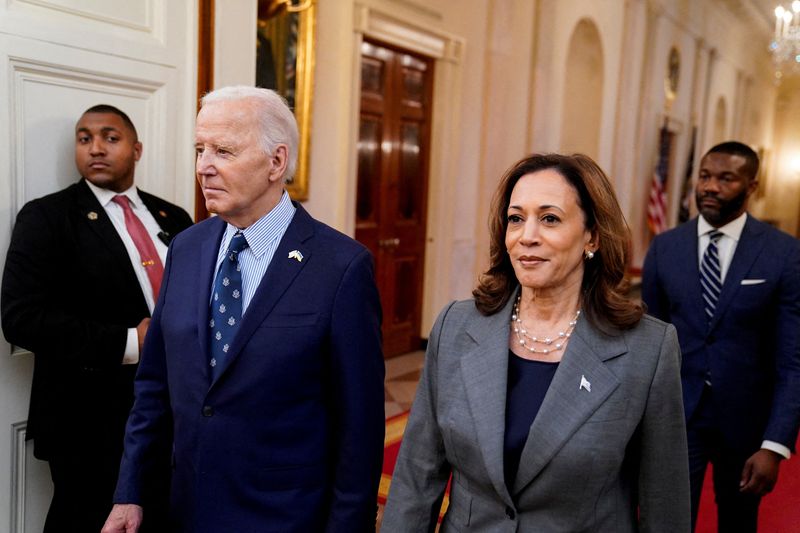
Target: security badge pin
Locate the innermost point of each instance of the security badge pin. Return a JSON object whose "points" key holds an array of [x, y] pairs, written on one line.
{"points": [[91, 215], [295, 254], [585, 384]]}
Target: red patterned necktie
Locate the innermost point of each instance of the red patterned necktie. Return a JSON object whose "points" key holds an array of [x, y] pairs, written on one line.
{"points": [[144, 244]]}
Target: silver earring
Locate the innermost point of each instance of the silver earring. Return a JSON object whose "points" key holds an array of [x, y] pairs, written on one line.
{"points": [[588, 254]]}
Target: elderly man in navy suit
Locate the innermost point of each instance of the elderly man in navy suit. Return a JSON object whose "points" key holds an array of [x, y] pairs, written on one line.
{"points": [[731, 286], [263, 356]]}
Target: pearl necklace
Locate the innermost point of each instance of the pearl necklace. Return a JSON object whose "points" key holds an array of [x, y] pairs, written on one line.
{"points": [[553, 344]]}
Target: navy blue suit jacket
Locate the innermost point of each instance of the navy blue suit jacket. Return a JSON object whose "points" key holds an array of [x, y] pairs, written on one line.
{"points": [[289, 437], [752, 344]]}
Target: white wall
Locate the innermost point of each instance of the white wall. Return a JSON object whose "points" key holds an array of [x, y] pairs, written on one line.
{"points": [[57, 58]]}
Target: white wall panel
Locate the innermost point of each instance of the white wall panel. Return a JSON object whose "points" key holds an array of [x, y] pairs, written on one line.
{"points": [[57, 58], [137, 15]]}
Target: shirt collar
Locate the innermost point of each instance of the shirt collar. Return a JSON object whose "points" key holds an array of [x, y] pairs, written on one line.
{"points": [[263, 232], [104, 196], [732, 229]]}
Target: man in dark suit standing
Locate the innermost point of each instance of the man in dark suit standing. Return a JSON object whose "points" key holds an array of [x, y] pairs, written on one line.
{"points": [[80, 283], [264, 353], [731, 286]]}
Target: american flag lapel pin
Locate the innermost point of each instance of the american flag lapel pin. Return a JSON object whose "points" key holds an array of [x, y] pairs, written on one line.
{"points": [[585, 384]]}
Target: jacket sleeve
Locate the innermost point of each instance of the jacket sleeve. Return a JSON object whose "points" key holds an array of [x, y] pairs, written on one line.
{"points": [[784, 418], [663, 488], [148, 432], [421, 472], [35, 314], [653, 294], [357, 373]]}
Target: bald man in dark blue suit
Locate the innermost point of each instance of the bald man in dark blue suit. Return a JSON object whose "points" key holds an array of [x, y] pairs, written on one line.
{"points": [[741, 347], [281, 429]]}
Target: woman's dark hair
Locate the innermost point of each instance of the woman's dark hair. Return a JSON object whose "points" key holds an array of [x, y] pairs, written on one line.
{"points": [[603, 299]]}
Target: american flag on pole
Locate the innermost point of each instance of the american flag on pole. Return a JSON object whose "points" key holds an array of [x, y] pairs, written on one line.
{"points": [[657, 201]]}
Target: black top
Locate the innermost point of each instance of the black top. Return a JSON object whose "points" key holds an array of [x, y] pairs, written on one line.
{"points": [[528, 382]]}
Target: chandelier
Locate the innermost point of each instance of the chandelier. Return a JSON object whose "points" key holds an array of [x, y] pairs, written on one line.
{"points": [[785, 47]]}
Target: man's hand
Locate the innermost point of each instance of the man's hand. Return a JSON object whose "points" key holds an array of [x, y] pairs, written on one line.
{"points": [[124, 518], [141, 331], [760, 472]]}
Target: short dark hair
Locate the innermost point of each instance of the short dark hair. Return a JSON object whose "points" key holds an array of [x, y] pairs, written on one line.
{"points": [[604, 290], [740, 149], [106, 108]]}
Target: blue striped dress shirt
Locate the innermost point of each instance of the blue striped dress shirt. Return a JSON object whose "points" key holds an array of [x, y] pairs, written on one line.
{"points": [[263, 238]]}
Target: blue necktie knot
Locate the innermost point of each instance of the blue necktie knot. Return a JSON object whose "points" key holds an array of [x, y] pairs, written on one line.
{"points": [[237, 244]]}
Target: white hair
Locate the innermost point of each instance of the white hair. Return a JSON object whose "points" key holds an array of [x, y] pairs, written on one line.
{"points": [[276, 121]]}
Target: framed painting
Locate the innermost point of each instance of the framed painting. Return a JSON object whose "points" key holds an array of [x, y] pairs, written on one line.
{"points": [[285, 63]]}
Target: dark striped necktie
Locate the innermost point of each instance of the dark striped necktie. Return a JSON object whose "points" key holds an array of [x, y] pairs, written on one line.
{"points": [[711, 273]]}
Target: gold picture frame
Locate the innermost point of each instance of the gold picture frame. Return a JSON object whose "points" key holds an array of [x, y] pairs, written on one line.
{"points": [[285, 63]]}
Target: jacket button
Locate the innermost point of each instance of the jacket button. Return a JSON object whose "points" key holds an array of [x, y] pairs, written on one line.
{"points": [[208, 410], [510, 512]]}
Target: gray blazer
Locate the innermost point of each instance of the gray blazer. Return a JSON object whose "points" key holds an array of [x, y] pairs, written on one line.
{"points": [[606, 452]]}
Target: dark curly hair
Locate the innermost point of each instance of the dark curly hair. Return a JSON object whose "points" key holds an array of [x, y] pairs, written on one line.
{"points": [[604, 300]]}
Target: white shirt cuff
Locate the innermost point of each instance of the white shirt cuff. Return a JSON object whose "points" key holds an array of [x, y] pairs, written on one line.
{"points": [[131, 355], [777, 448]]}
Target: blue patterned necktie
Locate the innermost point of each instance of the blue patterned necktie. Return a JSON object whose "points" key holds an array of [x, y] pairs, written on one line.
{"points": [[711, 273], [226, 304]]}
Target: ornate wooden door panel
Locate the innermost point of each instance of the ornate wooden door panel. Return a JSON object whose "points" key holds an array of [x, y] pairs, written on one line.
{"points": [[393, 153]]}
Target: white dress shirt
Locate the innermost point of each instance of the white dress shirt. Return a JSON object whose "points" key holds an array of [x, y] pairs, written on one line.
{"points": [[731, 233], [117, 216]]}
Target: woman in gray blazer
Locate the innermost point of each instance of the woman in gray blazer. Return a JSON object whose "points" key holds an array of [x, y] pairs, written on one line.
{"points": [[551, 400]]}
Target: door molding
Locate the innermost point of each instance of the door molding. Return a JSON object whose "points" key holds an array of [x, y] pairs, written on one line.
{"points": [[447, 50], [18, 465]]}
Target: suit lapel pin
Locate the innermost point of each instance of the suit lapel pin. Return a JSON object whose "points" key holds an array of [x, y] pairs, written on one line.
{"points": [[163, 214], [585, 384], [295, 254], [91, 215]]}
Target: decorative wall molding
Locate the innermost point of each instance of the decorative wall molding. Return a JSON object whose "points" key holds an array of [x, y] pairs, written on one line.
{"points": [[18, 464], [25, 72], [100, 12], [407, 34]]}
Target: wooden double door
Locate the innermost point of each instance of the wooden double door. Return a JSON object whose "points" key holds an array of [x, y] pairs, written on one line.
{"points": [[391, 204]]}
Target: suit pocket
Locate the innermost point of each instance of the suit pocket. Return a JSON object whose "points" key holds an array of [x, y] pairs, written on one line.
{"points": [[290, 321]]}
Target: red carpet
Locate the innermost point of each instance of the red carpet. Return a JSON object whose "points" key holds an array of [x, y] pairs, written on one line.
{"points": [[779, 513]]}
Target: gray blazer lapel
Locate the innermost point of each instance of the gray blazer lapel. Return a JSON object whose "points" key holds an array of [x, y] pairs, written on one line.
{"points": [[484, 369], [567, 404]]}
